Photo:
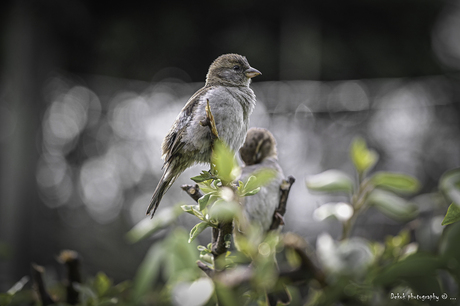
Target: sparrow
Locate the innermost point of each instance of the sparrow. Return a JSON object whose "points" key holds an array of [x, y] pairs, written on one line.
{"points": [[188, 142], [259, 152]]}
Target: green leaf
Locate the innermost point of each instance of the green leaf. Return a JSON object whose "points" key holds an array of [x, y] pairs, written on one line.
{"points": [[196, 211], [363, 158], [148, 272], [225, 211], [330, 181], [252, 192], [396, 182], [180, 263], [392, 205], [226, 296], [449, 245], [257, 180], [450, 185], [213, 196], [204, 176], [102, 283], [203, 201], [197, 229], [424, 284], [148, 226], [250, 183], [208, 186], [417, 270], [452, 215], [193, 210], [240, 185], [187, 208], [203, 250], [422, 265], [225, 163], [5, 298], [207, 258], [449, 248], [216, 183]]}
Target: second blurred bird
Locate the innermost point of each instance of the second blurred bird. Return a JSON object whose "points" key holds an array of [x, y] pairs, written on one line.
{"points": [[259, 152]]}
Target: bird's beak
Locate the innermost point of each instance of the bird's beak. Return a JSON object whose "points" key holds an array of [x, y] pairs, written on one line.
{"points": [[252, 72]]}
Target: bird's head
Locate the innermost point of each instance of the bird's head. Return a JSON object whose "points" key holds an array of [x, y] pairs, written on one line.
{"points": [[231, 70], [259, 144]]}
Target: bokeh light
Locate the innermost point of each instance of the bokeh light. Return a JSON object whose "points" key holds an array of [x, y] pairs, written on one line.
{"points": [[102, 145], [101, 188]]}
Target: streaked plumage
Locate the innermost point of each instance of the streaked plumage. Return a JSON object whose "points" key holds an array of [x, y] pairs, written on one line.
{"points": [[231, 101]]}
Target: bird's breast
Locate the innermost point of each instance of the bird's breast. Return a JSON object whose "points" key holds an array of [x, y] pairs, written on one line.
{"points": [[231, 114], [231, 108]]}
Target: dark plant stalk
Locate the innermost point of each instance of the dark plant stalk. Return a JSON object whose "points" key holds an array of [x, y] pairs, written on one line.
{"points": [[39, 285], [285, 188], [71, 261]]}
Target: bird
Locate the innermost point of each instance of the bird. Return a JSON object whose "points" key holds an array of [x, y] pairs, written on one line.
{"points": [[188, 142], [257, 153]]}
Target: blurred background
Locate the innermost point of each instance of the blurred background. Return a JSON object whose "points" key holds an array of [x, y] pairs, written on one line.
{"points": [[88, 90]]}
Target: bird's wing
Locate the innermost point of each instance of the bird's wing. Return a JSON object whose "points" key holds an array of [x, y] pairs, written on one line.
{"points": [[173, 141]]}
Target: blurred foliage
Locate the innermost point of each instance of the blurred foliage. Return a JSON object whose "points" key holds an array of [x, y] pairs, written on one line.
{"points": [[452, 215], [221, 195], [379, 189], [147, 227], [371, 273], [357, 271], [450, 185]]}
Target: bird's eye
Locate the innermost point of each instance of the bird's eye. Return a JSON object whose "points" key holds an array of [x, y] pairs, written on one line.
{"points": [[236, 67]]}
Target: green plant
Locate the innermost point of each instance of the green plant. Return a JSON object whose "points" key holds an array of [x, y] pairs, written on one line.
{"points": [[362, 272], [217, 207], [381, 190], [348, 271]]}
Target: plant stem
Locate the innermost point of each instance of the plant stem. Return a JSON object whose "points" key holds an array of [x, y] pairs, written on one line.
{"points": [[358, 202]]}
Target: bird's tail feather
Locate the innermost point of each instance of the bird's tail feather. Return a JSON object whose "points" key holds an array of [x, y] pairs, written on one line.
{"points": [[162, 187]]}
